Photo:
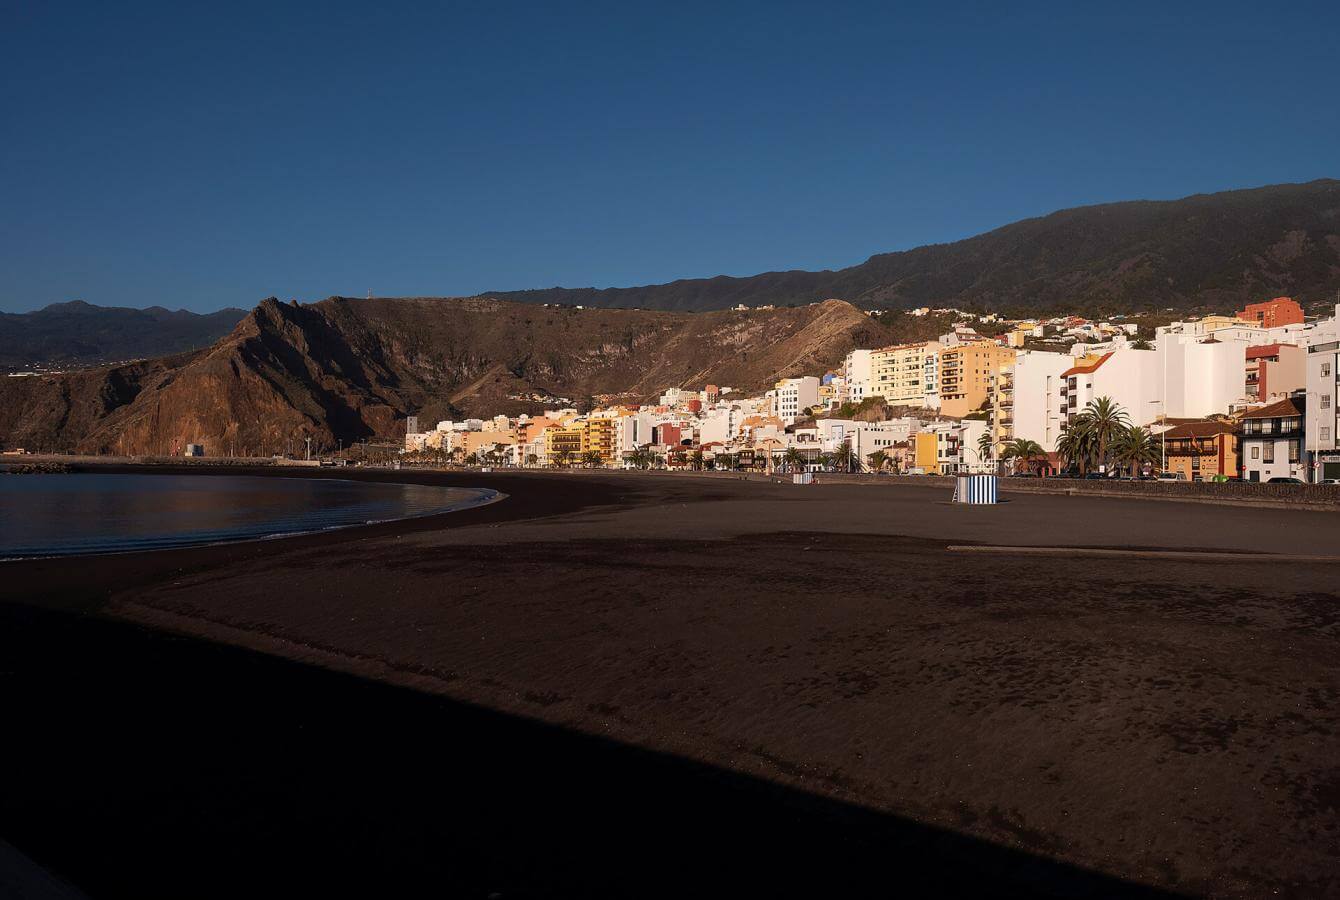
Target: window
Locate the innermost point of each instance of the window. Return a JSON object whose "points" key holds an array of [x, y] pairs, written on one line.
{"points": [[1256, 451], [1325, 369], [1325, 433], [1294, 447], [1269, 455], [1325, 401]]}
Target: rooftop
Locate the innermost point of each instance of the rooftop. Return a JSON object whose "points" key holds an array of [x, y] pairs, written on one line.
{"points": [[1085, 370], [1276, 410]]}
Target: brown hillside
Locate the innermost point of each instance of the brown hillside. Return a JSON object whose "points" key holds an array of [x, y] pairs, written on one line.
{"points": [[351, 370]]}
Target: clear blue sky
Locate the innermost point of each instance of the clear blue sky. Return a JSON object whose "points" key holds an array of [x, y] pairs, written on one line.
{"points": [[208, 155]]}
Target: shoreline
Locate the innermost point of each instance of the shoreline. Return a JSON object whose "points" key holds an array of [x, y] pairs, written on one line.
{"points": [[482, 497], [806, 645]]}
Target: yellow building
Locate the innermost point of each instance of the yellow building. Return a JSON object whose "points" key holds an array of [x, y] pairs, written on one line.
{"points": [[563, 446], [486, 443], [601, 436], [1211, 324], [925, 452], [967, 375], [898, 373]]}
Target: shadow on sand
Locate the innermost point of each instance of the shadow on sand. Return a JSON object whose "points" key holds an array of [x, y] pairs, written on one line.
{"points": [[148, 765]]}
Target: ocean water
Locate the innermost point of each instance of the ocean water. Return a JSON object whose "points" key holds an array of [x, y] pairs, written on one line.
{"points": [[57, 515]]}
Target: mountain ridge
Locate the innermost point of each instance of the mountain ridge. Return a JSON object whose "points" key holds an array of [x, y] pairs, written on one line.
{"points": [[1213, 249], [345, 369], [79, 333]]}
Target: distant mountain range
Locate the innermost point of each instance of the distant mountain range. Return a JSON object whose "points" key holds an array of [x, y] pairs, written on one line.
{"points": [[348, 370], [345, 369], [78, 333], [1213, 250]]}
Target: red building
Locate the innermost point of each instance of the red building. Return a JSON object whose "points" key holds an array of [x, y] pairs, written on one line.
{"points": [[666, 434], [1280, 311]]}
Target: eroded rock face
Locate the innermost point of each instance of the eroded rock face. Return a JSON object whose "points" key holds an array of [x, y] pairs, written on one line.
{"points": [[348, 370]]}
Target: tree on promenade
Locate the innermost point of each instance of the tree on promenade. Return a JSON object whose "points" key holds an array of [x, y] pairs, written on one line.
{"points": [[1106, 422], [1135, 448], [1024, 451], [844, 458]]}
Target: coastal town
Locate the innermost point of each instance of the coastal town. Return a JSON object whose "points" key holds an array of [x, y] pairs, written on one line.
{"points": [[1248, 396]]}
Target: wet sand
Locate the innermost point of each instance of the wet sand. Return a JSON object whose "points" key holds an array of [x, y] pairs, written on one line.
{"points": [[633, 684]]}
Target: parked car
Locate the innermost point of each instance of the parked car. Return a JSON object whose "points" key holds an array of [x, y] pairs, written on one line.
{"points": [[1095, 476], [1172, 476], [1285, 481], [1329, 481], [1024, 475]]}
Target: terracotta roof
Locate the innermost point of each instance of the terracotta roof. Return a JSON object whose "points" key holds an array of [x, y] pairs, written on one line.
{"points": [[1199, 430], [1265, 350], [1085, 370], [1275, 410]]}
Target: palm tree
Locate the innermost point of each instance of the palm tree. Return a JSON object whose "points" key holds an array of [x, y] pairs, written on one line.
{"points": [[723, 461], [985, 444], [844, 458], [592, 459], [1135, 447], [532, 459], [565, 458], [793, 459], [696, 460], [1107, 421], [1073, 444], [1025, 451], [877, 460]]}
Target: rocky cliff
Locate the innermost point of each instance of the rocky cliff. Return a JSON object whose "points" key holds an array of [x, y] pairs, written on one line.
{"points": [[347, 370]]}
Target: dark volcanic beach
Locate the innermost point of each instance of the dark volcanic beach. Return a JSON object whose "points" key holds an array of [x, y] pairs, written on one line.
{"points": [[626, 684]]}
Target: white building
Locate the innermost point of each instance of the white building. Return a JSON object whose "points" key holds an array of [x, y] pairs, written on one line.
{"points": [[792, 396], [1038, 415], [1272, 442], [1323, 406], [956, 446], [1130, 378], [1200, 376], [858, 373], [864, 438]]}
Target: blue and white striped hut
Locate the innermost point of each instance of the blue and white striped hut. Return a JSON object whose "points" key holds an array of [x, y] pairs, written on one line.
{"points": [[975, 489]]}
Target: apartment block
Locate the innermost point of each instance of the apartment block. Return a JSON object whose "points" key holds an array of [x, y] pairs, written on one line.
{"points": [[967, 375], [1323, 394], [1274, 371], [1271, 313], [898, 373]]}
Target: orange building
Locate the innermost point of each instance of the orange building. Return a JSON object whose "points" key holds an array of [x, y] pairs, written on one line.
{"points": [[968, 375], [1202, 450], [1280, 311]]}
